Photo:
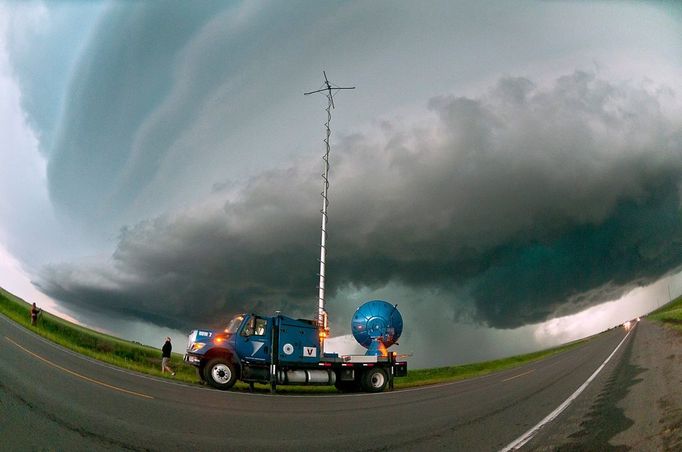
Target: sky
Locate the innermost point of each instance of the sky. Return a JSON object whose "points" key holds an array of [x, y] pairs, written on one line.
{"points": [[507, 173]]}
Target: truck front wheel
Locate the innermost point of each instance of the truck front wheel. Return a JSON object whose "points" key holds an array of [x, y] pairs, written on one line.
{"points": [[374, 380], [220, 373]]}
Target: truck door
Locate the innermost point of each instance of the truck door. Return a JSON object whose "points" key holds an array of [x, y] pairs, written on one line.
{"points": [[253, 341]]}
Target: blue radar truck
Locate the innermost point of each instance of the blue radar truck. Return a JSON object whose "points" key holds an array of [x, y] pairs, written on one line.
{"points": [[280, 350]]}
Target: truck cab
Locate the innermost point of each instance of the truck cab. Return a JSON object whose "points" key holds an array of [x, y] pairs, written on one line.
{"points": [[220, 355], [248, 347]]}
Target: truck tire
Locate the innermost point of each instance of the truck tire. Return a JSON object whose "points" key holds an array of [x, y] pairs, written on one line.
{"points": [[220, 373], [374, 380]]}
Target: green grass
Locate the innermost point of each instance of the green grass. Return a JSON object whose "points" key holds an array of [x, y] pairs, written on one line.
{"points": [[145, 359], [91, 343], [669, 314]]}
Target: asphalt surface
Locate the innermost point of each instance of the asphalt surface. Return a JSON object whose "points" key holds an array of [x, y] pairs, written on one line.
{"points": [[53, 399]]}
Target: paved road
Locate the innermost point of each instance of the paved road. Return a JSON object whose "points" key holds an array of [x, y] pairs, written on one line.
{"points": [[73, 403]]}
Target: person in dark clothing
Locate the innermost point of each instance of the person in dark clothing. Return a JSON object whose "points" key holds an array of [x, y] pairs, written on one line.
{"points": [[165, 356], [34, 314]]}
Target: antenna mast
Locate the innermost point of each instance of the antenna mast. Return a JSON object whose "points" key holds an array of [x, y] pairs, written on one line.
{"points": [[329, 90]]}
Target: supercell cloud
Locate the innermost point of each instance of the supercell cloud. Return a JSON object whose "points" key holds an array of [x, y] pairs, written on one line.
{"points": [[499, 164], [527, 202]]}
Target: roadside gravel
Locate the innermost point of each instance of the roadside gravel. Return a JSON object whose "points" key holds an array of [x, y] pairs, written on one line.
{"points": [[655, 403]]}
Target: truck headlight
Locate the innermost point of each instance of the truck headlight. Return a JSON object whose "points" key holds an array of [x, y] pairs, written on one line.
{"points": [[197, 346]]}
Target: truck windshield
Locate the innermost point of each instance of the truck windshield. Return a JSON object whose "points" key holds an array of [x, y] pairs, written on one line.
{"points": [[233, 326]]}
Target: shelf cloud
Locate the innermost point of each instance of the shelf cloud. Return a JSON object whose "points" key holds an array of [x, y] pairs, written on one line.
{"points": [[529, 201]]}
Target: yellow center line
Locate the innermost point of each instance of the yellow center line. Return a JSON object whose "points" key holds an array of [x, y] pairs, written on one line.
{"points": [[519, 375], [77, 374]]}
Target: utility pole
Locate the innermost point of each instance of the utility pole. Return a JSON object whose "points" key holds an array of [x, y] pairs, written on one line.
{"points": [[329, 90]]}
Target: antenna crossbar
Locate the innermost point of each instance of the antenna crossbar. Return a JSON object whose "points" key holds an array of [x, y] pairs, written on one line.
{"points": [[329, 88]]}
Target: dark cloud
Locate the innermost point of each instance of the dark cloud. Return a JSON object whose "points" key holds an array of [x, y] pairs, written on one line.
{"points": [[527, 282], [523, 204]]}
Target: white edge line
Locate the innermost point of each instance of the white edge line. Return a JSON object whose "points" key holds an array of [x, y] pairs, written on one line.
{"points": [[523, 439]]}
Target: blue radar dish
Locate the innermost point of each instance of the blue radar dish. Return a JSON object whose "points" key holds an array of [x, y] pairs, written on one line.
{"points": [[377, 325]]}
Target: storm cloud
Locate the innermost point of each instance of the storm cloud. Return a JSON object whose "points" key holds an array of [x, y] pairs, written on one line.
{"points": [[524, 203]]}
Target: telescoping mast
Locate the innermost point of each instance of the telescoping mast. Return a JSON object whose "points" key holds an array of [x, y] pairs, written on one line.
{"points": [[330, 90], [281, 350]]}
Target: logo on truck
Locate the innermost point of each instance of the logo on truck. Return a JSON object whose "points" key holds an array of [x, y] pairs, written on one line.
{"points": [[309, 352]]}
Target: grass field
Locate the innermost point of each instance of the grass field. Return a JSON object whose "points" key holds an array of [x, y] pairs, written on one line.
{"points": [[670, 314], [91, 343], [147, 359]]}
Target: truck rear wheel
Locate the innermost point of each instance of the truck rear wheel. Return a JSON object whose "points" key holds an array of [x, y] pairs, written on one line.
{"points": [[374, 380], [220, 373]]}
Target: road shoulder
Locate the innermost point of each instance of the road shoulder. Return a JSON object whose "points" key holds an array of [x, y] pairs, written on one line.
{"points": [[655, 403], [636, 404]]}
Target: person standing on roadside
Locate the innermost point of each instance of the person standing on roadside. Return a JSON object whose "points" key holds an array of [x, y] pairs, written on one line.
{"points": [[34, 314], [166, 355]]}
